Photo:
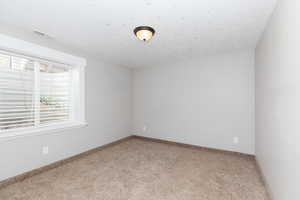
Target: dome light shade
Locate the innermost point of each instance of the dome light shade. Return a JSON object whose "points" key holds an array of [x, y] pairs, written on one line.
{"points": [[144, 33]]}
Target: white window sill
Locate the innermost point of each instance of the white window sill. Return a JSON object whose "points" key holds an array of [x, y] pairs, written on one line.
{"points": [[26, 132]]}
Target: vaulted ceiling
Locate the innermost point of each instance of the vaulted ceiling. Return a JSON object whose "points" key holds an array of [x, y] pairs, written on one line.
{"points": [[104, 28]]}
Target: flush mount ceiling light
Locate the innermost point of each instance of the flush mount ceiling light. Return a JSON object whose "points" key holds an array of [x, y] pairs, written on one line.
{"points": [[144, 33]]}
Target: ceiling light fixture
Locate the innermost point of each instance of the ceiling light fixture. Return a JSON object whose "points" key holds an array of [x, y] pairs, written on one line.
{"points": [[144, 33]]}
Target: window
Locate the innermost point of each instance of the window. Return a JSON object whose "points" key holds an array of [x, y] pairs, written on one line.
{"points": [[37, 93]]}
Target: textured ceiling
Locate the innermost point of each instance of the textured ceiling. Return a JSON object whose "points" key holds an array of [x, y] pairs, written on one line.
{"points": [[104, 28]]}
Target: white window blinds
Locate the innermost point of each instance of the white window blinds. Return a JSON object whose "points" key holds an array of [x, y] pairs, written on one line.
{"points": [[33, 92]]}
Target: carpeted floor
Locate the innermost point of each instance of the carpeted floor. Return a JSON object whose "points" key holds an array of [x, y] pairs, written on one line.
{"points": [[143, 170]]}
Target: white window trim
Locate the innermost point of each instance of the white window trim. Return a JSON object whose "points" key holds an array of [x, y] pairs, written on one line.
{"points": [[22, 47], [41, 130]]}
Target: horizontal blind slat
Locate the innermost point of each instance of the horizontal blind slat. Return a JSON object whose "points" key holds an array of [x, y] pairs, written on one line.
{"points": [[26, 109], [4, 119], [16, 126], [50, 118], [16, 121]]}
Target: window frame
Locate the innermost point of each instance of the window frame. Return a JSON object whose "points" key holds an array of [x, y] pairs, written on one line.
{"points": [[21, 48]]}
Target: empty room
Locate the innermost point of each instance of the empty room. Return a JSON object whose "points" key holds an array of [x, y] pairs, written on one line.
{"points": [[149, 100]]}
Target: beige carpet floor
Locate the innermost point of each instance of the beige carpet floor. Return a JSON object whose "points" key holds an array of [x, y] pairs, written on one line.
{"points": [[144, 170]]}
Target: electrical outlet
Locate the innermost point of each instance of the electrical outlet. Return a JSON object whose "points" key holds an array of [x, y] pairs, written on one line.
{"points": [[45, 150], [145, 128], [236, 140]]}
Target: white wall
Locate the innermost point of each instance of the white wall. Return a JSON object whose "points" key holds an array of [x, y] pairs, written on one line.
{"points": [[278, 101], [108, 107], [202, 102]]}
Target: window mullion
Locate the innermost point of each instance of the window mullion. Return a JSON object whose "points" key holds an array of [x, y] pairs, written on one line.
{"points": [[37, 94], [71, 96]]}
